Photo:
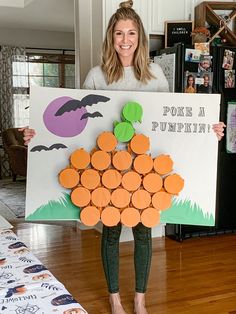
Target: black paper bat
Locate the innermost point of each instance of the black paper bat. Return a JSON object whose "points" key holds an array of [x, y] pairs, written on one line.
{"points": [[75, 104], [38, 148], [91, 115]]}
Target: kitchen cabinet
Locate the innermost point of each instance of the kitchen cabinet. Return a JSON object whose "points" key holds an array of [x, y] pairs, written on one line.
{"points": [[153, 13], [110, 7], [167, 10]]}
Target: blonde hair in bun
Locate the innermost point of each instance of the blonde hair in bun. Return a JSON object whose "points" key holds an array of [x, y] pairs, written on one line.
{"points": [[126, 4]]}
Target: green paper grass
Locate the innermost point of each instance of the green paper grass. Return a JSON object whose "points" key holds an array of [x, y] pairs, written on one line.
{"points": [[62, 209], [185, 212]]}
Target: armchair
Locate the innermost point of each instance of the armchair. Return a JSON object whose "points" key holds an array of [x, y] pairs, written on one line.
{"points": [[13, 144]]}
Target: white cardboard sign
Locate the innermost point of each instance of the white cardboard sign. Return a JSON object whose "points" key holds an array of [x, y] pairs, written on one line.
{"points": [[179, 125]]}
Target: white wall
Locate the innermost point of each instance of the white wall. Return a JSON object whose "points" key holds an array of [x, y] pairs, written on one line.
{"points": [[88, 36], [36, 38]]}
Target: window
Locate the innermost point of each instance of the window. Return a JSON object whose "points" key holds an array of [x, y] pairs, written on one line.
{"points": [[41, 69]]}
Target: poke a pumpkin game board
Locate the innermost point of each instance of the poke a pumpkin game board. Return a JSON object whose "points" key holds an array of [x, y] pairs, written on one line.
{"points": [[122, 156]]}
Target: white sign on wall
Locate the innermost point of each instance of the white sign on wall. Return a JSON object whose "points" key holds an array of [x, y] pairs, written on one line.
{"points": [[179, 125]]}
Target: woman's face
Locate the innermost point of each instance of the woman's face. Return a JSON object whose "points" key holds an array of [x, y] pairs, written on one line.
{"points": [[190, 81], [125, 41]]}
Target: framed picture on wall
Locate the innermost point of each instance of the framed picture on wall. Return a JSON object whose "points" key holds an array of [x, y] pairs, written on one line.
{"points": [[178, 31]]}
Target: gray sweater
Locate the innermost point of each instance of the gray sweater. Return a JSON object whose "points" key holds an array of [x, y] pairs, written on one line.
{"points": [[96, 80]]}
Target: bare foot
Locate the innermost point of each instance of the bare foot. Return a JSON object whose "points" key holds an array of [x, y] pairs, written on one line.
{"points": [[116, 306], [139, 303]]}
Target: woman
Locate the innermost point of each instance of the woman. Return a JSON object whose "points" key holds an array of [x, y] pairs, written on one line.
{"points": [[190, 86], [125, 66]]}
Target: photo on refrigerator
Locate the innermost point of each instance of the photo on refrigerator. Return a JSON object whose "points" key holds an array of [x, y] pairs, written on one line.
{"points": [[190, 82], [229, 78], [231, 128], [204, 83]]}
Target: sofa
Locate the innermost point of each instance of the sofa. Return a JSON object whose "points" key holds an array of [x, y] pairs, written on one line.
{"points": [[13, 145]]}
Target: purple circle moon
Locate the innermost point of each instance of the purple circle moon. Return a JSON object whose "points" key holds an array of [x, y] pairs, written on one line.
{"points": [[66, 125]]}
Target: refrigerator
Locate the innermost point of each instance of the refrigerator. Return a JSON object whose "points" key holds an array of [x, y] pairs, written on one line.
{"points": [[176, 72]]}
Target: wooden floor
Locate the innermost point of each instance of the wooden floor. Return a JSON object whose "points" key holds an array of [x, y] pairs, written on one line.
{"points": [[197, 276]]}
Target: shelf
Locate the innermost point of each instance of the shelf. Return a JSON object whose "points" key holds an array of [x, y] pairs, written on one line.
{"points": [[204, 12]]}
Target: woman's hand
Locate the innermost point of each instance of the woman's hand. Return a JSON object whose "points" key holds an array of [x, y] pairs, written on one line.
{"points": [[218, 128], [28, 134]]}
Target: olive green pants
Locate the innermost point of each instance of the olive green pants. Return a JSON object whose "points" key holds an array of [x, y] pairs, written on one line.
{"points": [[142, 256]]}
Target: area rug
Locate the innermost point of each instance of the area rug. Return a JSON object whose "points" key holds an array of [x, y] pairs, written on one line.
{"points": [[12, 194]]}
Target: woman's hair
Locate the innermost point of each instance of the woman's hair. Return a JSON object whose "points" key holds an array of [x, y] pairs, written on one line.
{"points": [[111, 64], [190, 76]]}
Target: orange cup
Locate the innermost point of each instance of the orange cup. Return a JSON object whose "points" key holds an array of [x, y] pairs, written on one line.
{"points": [[150, 217], [163, 164], [110, 216], [111, 178], [152, 182], [90, 216], [69, 178], [173, 184], [80, 196], [140, 144], [120, 198], [143, 164], [122, 160], [80, 159], [107, 141], [131, 181], [141, 199], [162, 200], [101, 197], [100, 160], [130, 217], [90, 179]]}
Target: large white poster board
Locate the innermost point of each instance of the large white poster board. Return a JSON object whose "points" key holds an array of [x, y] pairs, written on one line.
{"points": [[179, 125]]}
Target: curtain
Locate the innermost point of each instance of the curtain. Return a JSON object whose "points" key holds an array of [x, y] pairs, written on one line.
{"points": [[9, 56]]}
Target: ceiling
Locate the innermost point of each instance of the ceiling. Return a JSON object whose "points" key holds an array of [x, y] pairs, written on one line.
{"points": [[50, 15]]}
